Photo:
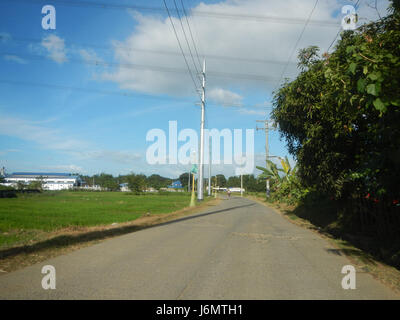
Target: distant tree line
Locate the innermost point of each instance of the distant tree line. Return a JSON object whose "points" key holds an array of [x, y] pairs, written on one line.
{"points": [[136, 182], [139, 182], [250, 182]]}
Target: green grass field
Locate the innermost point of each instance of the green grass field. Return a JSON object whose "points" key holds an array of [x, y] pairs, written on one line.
{"points": [[28, 214]]}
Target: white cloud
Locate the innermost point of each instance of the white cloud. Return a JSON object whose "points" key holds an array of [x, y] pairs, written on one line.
{"points": [[219, 37], [55, 47], [44, 136], [225, 97], [16, 59], [265, 40], [56, 140]]}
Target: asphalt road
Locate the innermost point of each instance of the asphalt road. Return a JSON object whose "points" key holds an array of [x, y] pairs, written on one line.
{"points": [[236, 250]]}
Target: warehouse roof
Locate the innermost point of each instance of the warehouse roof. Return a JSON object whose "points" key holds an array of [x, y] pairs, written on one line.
{"points": [[41, 174]]}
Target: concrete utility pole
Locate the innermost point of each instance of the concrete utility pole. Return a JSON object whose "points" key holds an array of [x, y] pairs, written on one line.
{"points": [[266, 128], [209, 166], [200, 181]]}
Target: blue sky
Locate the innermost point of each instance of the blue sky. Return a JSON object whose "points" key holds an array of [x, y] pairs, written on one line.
{"points": [[74, 99]]}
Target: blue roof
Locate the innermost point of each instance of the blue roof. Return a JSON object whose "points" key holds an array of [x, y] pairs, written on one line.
{"points": [[176, 184]]}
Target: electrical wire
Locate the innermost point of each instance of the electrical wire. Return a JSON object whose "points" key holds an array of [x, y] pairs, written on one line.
{"points": [[187, 42], [296, 44], [191, 35], [90, 90], [117, 93], [180, 46], [128, 48], [146, 67], [199, 13]]}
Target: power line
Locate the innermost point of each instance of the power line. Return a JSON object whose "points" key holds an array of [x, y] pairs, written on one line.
{"points": [[193, 18], [333, 41], [199, 13], [173, 53], [191, 35], [96, 91], [183, 54], [110, 92], [297, 43], [147, 67], [187, 42]]}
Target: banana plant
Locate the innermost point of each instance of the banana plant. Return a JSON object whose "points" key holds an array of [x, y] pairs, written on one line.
{"points": [[290, 172], [271, 172]]}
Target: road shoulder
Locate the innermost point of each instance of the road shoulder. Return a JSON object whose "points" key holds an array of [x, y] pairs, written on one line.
{"points": [[387, 275]]}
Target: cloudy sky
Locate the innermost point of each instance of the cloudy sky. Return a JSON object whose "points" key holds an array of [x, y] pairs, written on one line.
{"points": [[81, 98]]}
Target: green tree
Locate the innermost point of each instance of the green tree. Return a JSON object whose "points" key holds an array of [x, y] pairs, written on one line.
{"points": [[21, 185], [340, 115], [156, 181], [137, 183], [36, 185], [233, 181], [221, 180], [106, 181], [184, 178]]}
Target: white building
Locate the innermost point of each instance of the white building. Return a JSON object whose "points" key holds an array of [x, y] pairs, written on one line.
{"points": [[234, 189], [50, 181], [124, 187]]}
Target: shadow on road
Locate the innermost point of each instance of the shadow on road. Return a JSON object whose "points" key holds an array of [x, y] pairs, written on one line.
{"points": [[67, 240], [363, 256], [203, 214]]}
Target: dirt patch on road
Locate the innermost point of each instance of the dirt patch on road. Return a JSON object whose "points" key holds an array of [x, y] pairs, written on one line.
{"points": [[65, 240], [264, 237]]}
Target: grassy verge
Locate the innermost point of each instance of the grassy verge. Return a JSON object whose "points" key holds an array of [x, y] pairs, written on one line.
{"points": [[34, 228], [327, 226]]}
